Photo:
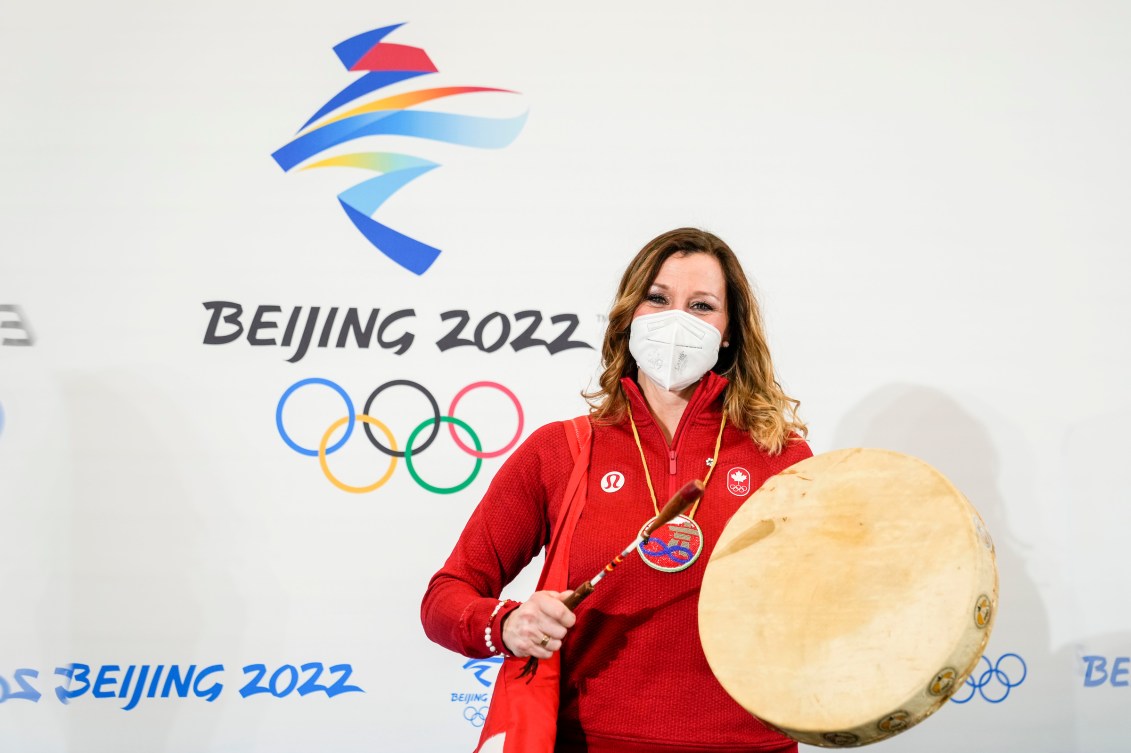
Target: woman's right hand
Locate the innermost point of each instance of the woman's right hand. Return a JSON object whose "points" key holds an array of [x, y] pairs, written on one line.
{"points": [[542, 615]]}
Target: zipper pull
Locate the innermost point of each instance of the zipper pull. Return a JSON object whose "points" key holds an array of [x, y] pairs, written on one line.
{"points": [[671, 462]]}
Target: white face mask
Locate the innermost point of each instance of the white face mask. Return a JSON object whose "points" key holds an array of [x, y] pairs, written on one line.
{"points": [[673, 348]]}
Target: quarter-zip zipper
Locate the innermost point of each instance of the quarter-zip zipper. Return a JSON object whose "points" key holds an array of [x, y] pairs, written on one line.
{"points": [[689, 414]]}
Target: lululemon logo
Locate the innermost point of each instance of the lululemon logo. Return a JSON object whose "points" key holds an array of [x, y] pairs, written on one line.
{"points": [[612, 481]]}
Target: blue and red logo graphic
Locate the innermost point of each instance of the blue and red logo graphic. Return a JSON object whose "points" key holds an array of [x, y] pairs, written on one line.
{"points": [[385, 64]]}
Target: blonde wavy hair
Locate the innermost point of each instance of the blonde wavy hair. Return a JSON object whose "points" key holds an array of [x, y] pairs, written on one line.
{"points": [[754, 400]]}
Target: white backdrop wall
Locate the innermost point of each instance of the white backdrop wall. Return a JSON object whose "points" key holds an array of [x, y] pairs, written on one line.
{"points": [[931, 198]]}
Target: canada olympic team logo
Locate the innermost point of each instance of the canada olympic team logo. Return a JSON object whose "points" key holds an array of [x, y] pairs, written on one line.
{"points": [[738, 481], [384, 440], [384, 64]]}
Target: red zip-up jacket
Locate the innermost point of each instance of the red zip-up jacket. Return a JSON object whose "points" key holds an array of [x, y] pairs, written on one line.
{"points": [[634, 677]]}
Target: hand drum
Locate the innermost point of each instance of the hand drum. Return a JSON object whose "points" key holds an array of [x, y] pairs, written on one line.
{"points": [[849, 597]]}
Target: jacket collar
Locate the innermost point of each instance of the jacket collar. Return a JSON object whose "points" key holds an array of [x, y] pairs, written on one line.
{"points": [[703, 400]]}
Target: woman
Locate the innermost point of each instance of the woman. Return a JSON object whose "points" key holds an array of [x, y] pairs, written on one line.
{"points": [[688, 390]]}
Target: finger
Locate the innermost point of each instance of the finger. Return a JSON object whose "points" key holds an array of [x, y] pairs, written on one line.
{"points": [[530, 620], [545, 649], [561, 612], [555, 630], [556, 610], [548, 599], [537, 649], [544, 632]]}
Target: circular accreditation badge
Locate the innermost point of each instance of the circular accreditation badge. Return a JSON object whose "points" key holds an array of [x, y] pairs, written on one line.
{"points": [[673, 546]]}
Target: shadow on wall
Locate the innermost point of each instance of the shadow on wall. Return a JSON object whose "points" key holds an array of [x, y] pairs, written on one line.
{"points": [[149, 566], [1021, 707], [1095, 451]]}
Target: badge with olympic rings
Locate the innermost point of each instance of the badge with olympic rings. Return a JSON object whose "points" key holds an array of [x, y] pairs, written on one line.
{"points": [[390, 449], [673, 546]]}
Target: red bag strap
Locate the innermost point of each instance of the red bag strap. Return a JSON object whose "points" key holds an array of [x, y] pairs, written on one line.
{"points": [[524, 709], [578, 433], [555, 573]]}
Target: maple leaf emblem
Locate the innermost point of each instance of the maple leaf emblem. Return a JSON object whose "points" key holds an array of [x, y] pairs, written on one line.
{"points": [[738, 477]]}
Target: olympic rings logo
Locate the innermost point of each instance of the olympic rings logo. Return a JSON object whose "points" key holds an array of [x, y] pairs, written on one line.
{"points": [[477, 716], [999, 677], [391, 448]]}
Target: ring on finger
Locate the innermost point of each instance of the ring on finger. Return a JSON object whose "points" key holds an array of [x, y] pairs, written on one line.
{"points": [[545, 641]]}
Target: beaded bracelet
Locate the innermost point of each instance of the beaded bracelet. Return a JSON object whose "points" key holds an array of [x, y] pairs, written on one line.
{"points": [[487, 632]]}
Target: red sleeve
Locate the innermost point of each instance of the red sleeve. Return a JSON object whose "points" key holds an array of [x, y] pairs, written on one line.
{"points": [[506, 531]]}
